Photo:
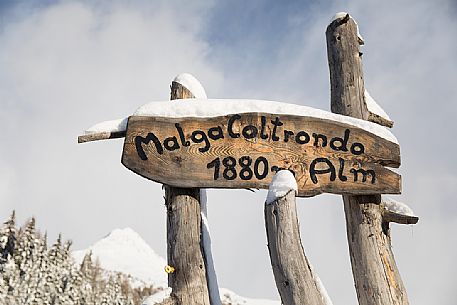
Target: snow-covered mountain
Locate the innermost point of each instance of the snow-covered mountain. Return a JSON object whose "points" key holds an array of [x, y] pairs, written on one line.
{"points": [[123, 250]]}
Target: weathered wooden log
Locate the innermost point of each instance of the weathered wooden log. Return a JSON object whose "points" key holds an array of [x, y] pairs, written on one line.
{"points": [[147, 152], [376, 275], [184, 251], [293, 274], [389, 216], [184, 238], [101, 136], [373, 117]]}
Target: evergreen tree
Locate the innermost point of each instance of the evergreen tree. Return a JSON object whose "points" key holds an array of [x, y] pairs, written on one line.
{"points": [[26, 260], [87, 275], [7, 239], [32, 274], [57, 274]]}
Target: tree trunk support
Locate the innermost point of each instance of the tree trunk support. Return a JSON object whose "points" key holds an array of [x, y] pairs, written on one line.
{"points": [[375, 272], [293, 274], [185, 254]]}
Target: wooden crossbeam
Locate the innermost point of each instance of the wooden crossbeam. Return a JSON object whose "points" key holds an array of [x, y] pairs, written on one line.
{"points": [[101, 136]]}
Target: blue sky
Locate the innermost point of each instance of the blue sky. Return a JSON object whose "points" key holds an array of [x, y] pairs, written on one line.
{"points": [[65, 65]]}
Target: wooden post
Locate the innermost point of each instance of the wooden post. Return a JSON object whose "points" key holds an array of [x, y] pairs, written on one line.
{"points": [[184, 238], [376, 276], [293, 274]]}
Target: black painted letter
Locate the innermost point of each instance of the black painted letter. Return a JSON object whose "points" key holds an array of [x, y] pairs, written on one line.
{"points": [[300, 135], [343, 142], [330, 169], [341, 169], [202, 138], [181, 135], [276, 123], [232, 120], [318, 136], [250, 132], [139, 140], [171, 143], [364, 173], [263, 121], [215, 133], [288, 134], [360, 148]]}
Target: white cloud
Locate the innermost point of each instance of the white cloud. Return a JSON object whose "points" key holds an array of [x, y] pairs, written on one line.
{"points": [[65, 67]]}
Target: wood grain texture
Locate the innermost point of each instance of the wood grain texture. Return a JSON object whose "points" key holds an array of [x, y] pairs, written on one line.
{"points": [[187, 165], [184, 251], [184, 238], [292, 271], [388, 216], [100, 136], [376, 275], [373, 117]]}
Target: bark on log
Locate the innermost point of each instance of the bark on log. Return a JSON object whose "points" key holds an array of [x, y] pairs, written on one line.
{"points": [[184, 238], [389, 216], [376, 276], [291, 269], [101, 136]]}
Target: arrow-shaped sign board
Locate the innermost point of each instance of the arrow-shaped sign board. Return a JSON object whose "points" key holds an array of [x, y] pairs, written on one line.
{"points": [[244, 150]]}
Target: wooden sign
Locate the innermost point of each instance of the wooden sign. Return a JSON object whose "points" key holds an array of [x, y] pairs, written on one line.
{"points": [[245, 150]]}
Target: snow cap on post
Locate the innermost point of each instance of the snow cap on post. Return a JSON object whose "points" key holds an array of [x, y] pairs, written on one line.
{"points": [[374, 107], [346, 15], [283, 182], [398, 212], [397, 206], [377, 114], [192, 84]]}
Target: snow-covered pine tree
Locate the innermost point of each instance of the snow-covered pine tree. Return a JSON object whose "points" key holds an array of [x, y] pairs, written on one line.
{"points": [[127, 290], [123, 290], [87, 274], [53, 289], [7, 239], [71, 280], [75, 287], [7, 243], [106, 297], [31, 274], [112, 294], [8, 268], [27, 260], [41, 269], [98, 282], [11, 277], [25, 253]]}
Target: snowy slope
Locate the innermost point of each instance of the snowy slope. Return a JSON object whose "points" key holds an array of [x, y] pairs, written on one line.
{"points": [[229, 297], [123, 250]]}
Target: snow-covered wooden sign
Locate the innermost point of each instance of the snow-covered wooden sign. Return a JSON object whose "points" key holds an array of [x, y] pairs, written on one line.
{"points": [[237, 144]]}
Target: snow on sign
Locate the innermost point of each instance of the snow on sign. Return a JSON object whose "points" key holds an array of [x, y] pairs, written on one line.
{"points": [[244, 150]]}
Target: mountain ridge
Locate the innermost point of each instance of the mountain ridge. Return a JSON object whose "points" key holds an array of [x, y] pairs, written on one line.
{"points": [[125, 251]]}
